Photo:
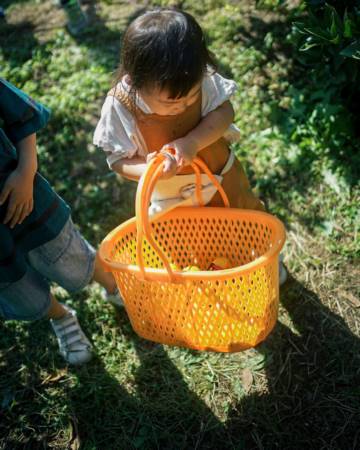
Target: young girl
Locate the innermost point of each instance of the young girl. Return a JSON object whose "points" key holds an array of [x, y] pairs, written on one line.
{"points": [[168, 95], [38, 241]]}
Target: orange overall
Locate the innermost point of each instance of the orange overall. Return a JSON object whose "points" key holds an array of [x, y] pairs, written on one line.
{"points": [[159, 130]]}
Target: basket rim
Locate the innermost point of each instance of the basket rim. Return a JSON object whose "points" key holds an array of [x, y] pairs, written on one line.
{"points": [[106, 247]]}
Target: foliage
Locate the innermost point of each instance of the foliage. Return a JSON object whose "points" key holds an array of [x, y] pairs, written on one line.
{"points": [[327, 43], [325, 28], [328, 39]]}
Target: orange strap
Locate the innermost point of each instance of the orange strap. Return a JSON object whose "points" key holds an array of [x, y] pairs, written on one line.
{"points": [[143, 195]]}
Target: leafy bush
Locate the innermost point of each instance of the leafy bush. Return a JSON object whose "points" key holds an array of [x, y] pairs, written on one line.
{"points": [[328, 40], [319, 111], [331, 30]]}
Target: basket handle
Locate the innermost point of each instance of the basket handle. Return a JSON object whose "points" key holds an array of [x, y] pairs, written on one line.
{"points": [[144, 191]]}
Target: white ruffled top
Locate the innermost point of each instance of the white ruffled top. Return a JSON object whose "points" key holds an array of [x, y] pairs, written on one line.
{"points": [[118, 135]]}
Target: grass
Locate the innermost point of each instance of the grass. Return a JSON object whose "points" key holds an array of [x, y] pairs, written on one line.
{"points": [[300, 388]]}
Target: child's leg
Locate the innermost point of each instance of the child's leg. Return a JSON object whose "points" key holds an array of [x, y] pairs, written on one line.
{"points": [[26, 299], [30, 299], [56, 309], [70, 261], [104, 278]]}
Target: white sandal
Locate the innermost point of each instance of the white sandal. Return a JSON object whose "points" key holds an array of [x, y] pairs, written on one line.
{"points": [[115, 298], [74, 346]]}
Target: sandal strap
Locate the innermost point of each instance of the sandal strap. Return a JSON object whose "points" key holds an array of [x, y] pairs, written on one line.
{"points": [[69, 332]]}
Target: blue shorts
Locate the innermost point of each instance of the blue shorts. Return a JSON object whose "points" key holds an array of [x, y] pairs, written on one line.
{"points": [[67, 260]]}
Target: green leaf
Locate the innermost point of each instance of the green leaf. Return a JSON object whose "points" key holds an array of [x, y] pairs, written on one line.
{"points": [[335, 40], [307, 46], [300, 27], [317, 32], [333, 27], [347, 25], [352, 50]]}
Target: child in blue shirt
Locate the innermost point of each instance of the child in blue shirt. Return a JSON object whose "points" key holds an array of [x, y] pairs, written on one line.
{"points": [[38, 241]]}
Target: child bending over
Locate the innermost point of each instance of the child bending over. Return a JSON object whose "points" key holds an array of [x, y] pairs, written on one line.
{"points": [[169, 95]]}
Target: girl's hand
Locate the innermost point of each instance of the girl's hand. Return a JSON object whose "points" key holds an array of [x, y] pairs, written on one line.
{"points": [[18, 189], [185, 150], [170, 164]]}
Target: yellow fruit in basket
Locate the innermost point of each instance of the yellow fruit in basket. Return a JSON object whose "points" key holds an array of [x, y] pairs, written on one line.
{"points": [[191, 269], [220, 263], [174, 267]]}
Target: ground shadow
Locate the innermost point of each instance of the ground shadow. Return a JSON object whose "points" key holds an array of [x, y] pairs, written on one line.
{"points": [[22, 385], [155, 411], [312, 375], [105, 50], [17, 42], [172, 415]]}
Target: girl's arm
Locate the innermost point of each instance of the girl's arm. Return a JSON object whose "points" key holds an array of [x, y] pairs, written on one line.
{"points": [[133, 168], [209, 130], [212, 126], [130, 168], [18, 188]]}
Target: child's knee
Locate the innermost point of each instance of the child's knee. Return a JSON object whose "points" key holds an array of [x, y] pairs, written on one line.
{"points": [[68, 260]]}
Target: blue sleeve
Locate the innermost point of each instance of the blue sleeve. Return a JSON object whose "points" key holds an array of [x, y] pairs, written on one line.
{"points": [[21, 115]]}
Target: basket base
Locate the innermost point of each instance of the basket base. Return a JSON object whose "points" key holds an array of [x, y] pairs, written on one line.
{"points": [[231, 348]]}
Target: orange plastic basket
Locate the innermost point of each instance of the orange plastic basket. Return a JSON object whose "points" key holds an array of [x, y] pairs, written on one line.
{"points": [[226, 311]]}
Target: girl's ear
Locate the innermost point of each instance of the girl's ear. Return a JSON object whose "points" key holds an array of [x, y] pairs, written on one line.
{"points": [[128, 80]]}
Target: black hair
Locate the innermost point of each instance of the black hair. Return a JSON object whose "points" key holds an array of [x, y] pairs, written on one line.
{"points": [[164, 48]]}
